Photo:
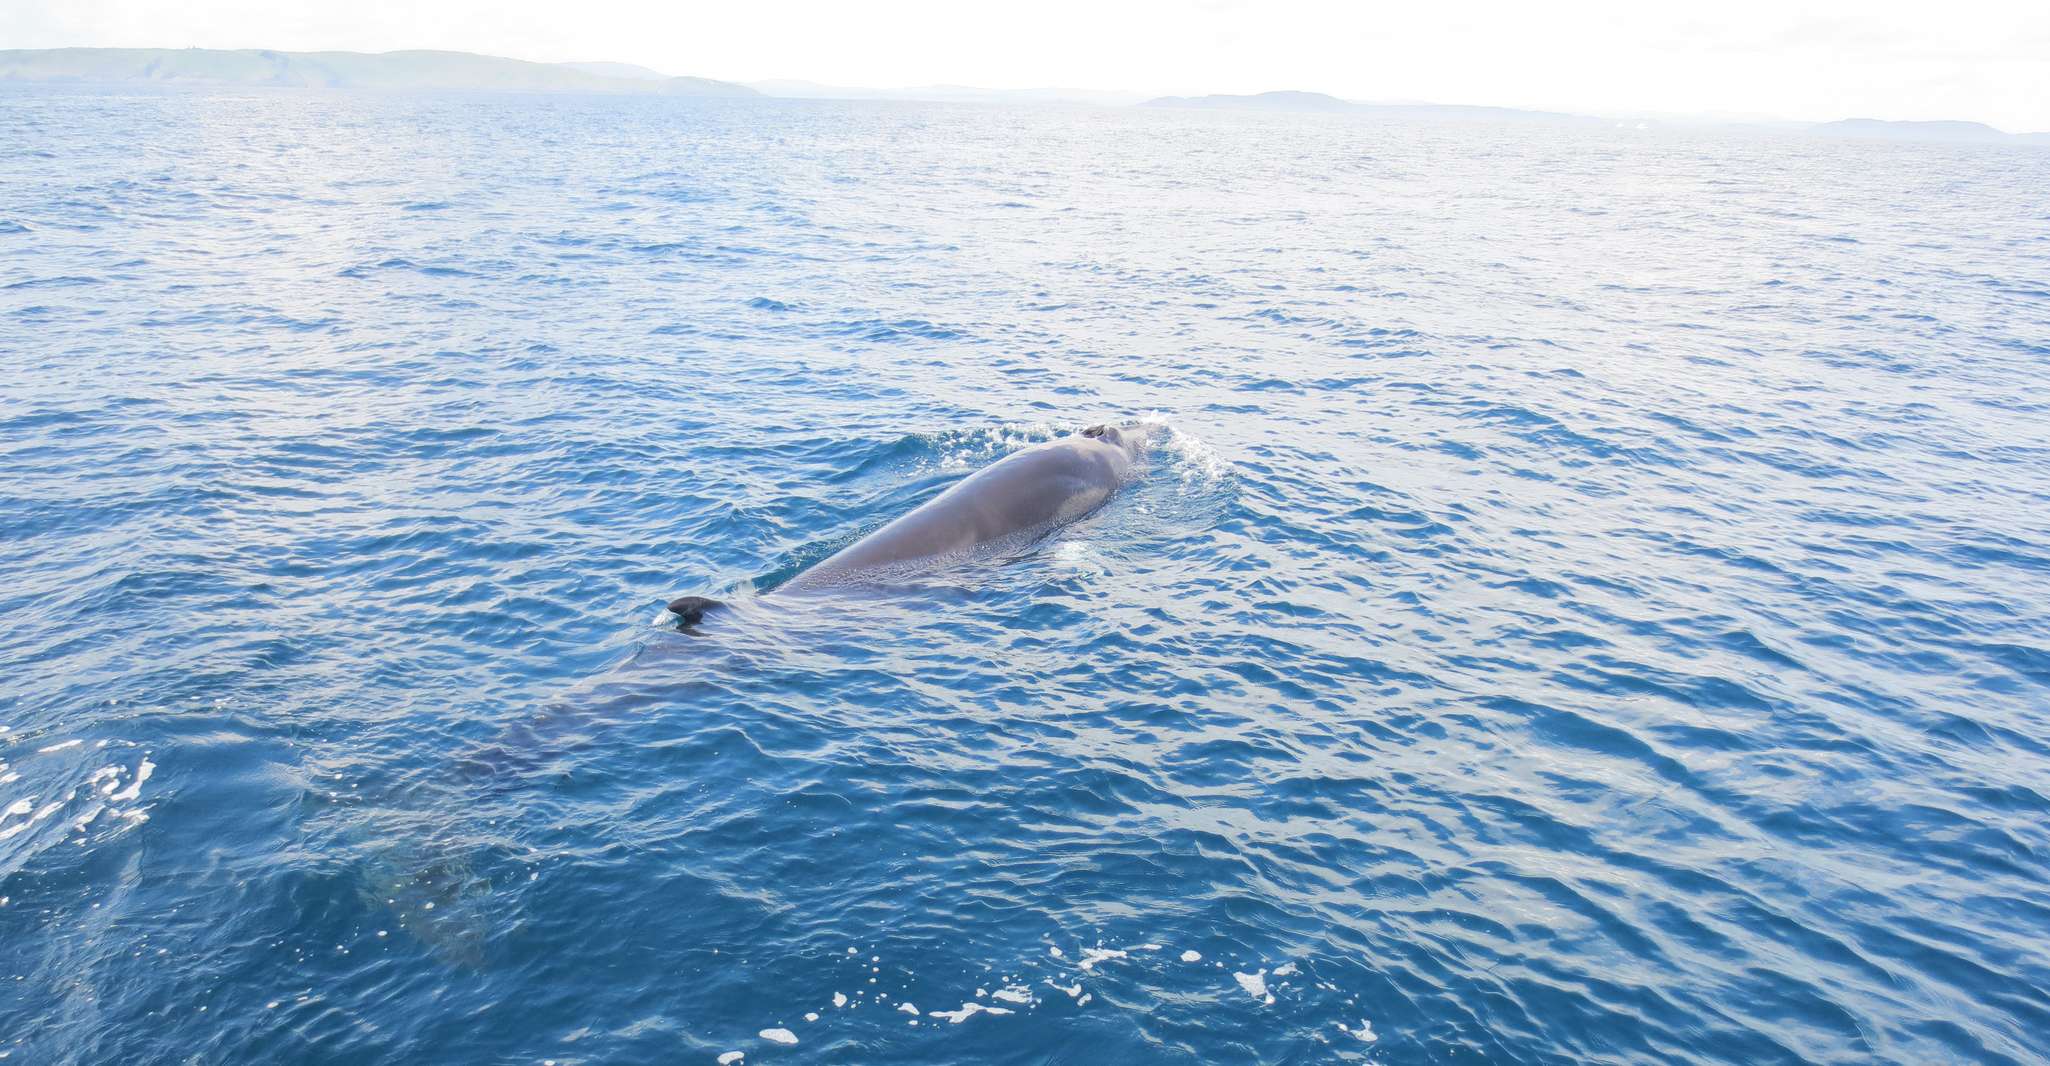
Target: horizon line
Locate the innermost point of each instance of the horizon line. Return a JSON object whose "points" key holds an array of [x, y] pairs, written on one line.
{"points": [[1139, 96]]}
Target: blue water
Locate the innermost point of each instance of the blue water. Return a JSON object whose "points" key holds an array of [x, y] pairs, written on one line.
{"points": [[1589, 600]]}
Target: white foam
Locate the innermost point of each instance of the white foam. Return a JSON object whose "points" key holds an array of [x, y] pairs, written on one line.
{"points": [[967, 1011], [1255, 985], [59, 746], [1054, 951], [1192, 955], [1013, 994], [1365, 1032], [1198, 461], [780, 1036], [1072, 990], [908, 1008], [1092, 956], [839, 999], [731, 1057], [811, 1015], [1285, 969]]}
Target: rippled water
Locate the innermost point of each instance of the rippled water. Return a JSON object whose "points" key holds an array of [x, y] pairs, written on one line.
{"points": [[1589, 603]]}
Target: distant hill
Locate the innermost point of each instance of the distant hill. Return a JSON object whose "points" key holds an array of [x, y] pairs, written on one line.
{"points": [[631, 71], [1910, 131], [423, 69], [1284, 100], [353, 70], [1952, 131], [1301, 101], [965, 94]]}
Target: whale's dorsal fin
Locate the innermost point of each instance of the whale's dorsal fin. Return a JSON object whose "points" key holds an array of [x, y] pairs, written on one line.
{"points": [[692, 608]]}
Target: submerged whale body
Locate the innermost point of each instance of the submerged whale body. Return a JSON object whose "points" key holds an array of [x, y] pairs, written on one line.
{"points": [[1019, 498]]}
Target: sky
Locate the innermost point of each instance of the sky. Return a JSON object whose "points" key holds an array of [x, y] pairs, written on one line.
{"points": [[1957, 59]]}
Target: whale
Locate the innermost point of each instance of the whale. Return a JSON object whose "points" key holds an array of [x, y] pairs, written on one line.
{"points": [[1014, 501]]}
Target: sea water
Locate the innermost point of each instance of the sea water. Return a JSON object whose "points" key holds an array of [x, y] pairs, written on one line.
{"points": [[1588, 601]]}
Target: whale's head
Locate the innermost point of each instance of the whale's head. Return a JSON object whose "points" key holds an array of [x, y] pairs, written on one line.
{"points": [[1129, 438]]}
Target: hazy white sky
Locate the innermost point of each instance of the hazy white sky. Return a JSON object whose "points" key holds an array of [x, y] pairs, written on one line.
{"points": [[1879, 58]]}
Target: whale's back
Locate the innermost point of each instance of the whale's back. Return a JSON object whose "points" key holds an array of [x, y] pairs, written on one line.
{"points": [[1025, 494]]}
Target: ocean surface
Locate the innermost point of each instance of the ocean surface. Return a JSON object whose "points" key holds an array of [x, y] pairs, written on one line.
{"points": [[1588, 600]]}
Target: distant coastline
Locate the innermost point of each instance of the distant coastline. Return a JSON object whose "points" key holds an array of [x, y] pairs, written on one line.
{"points": [[343, 70], [1942, 130], [1288, 100], [424, 69], [1319, 102]]}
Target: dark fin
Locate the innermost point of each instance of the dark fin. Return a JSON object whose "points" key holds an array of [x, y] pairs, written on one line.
{"points": [[692, 608], [1094, 431]]}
